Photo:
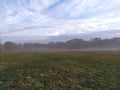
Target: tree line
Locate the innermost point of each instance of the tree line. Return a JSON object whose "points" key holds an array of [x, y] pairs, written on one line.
{"points": [[76, 43]]}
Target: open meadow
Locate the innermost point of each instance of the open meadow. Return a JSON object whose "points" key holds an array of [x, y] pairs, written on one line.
{"points": [[60, 70]]}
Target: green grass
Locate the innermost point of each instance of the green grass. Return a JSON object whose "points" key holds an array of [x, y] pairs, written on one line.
{"points": [[59, 70]]}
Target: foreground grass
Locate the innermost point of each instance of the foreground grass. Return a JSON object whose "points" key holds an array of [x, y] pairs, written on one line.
{"points": [[60, 71]]}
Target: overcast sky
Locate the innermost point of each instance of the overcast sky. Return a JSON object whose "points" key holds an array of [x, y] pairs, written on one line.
{"points": [[44, 18]]}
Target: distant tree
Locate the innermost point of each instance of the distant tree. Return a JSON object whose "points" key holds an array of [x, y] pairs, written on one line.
{"points": [[0, 47], [96, 42], [75, 40], [10, 46], [116, 39], [96, 39], [19, 45], [51, 43]]}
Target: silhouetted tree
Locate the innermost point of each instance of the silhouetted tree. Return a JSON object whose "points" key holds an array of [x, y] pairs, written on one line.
{"points": [[96, 40], [10, 46], [0, 47]]}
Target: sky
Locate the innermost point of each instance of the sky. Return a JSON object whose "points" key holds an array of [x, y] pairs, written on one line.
{"points": [[40, 19]]}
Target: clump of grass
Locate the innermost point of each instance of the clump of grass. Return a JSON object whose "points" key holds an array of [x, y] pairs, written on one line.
{"points": [[38, 85]]}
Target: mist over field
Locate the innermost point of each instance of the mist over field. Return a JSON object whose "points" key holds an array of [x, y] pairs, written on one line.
{"points": [[76, 44]]}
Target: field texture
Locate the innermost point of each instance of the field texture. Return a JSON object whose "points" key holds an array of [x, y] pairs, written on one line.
{"points": [[60, 70]]}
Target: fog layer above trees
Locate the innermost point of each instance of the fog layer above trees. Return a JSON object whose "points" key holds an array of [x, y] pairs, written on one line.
{"points": [[73, 44]]}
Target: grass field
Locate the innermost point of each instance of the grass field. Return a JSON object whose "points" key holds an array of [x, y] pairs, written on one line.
{"points": [[60, 70]]}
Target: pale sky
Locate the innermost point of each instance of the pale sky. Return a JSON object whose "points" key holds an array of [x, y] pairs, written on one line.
{"points": [[44, 18]]}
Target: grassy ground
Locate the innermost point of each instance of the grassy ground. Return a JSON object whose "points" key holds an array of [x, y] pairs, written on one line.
{"points": [[60, 70]]}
